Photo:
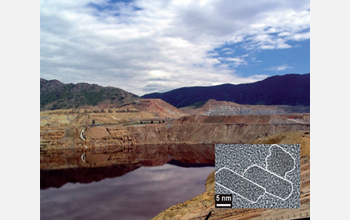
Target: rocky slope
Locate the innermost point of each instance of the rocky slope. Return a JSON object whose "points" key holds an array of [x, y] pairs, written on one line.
{"points": [[214, 108], [57, 95], [290, 89], [200, 206]]}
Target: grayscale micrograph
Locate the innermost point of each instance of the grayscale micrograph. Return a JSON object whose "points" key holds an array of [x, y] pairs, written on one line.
{"points": [[259, 175]]}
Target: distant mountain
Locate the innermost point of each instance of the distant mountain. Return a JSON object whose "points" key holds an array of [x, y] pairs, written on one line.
{"points": [[57, 95], [290, 89]]}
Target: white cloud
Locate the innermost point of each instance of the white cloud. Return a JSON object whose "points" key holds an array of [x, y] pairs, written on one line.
{"points": [[279, 68], [147, 46], [236, 61], [300, 36]]}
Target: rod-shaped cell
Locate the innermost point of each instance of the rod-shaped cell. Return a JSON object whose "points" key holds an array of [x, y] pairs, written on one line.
{"points": [[279, 161], [273, 184], [239, 185]]}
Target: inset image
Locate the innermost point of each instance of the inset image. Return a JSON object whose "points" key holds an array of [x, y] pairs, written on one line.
{"points": [[258, 176]]}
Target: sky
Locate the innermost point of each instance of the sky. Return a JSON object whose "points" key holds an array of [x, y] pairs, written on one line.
{"points": [[146, 46]]}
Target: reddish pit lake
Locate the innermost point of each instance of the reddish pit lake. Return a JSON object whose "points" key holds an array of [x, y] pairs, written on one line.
{"points": [[136, 190]]}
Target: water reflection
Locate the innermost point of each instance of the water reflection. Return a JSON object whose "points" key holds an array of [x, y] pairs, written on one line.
{"points": [[146, 154], [59, 177], [123, 183], [88, 165]]}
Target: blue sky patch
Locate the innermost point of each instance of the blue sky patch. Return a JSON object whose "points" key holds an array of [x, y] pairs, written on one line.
{"points": [[295, 59]]}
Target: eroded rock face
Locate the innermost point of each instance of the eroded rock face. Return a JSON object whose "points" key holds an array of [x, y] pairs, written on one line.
{"points": [[97, 132]]}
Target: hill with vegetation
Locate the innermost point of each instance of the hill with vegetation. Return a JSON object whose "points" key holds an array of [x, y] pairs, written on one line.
{"points": [[57, 95]]}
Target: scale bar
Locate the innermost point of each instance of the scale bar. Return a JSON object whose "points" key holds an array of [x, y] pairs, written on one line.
{"points": [[228, 205]]}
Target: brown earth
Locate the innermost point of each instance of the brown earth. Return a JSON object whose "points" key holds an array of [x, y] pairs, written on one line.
{"points": [[200, 206], [159, 107]]}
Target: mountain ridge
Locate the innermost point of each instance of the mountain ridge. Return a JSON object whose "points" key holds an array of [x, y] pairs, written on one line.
{"points": [[289, 89]]}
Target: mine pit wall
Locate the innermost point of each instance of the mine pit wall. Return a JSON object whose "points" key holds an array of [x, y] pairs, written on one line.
{"points": [[209, 133], [189, 133]]}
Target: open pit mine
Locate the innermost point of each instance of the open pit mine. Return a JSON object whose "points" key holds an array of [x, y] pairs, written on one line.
{"points": [[151, 132], [157, 122]]}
